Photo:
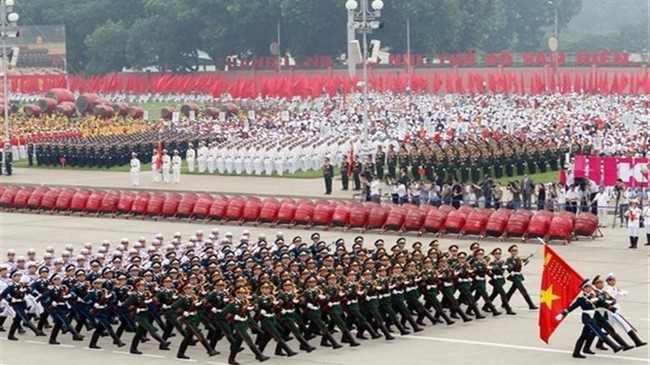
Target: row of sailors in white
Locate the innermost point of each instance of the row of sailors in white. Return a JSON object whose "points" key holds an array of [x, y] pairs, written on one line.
{"points": [[267, 161], [167, 164]]}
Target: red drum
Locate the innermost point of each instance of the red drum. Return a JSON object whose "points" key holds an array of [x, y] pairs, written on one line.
{"points": [[170, 206], [476, 223], [376, 217], [304, 213], [8, 196], [50, 198], [270, 209], [218, 207], [110, 202], [517, 224], [497, 223], [125, 203], [341, 216], [414, 219], [561, 228], [586, 224], [22, 197], [79, 200], [235, 209], [455, 221], [155, 205], [287, 212], [34, 201], [323, 214], [360, 215], [435, 221], [94, 202], [186, 205], [252, 210], [446, 208], [140, 203], [201, 209], [64, 200], [539, 224]]}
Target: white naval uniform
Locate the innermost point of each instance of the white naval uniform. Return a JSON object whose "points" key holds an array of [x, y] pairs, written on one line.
{"points": [[211, 160], [615, 316], [166, 165], [202, 154], [135, 171], [176, 168], [190, 157], [633, 215]]}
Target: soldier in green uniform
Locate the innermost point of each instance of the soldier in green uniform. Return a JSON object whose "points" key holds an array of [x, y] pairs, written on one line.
{"points": [[345, 178], [403, 158], [380, 162], [266, 305], [391, 161], [383, 288], [446, 276], [415, 157], [497, 269], [369, 296], [351, 289], [429, 287], [186, 307], [334, 295], [480, 268], [137, 303], [368, 168], [288, 317], [328, 174], [412, 294], [463, 272], [215, 302], [163, 299], [515, 264], [312, 297], [238, 309]]}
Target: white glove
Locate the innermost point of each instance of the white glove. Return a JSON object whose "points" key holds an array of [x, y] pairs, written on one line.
{"points": [[321, 296], [213, 310], [199, 303], [186, 314], [148, 301], [140, 310], [559, 317]]}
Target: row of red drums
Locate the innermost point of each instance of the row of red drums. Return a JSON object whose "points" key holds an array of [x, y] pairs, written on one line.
{"points": [[502, 223]]}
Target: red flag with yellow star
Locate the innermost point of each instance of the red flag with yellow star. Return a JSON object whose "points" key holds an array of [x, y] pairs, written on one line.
{"points": [[560, 286]]}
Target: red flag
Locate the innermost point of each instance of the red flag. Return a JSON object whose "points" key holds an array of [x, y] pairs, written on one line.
{"points": [[351, 165], [159, 153], [560, 286]]}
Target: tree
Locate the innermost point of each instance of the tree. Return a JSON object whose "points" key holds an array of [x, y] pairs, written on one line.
{"points": [[107, 48]]}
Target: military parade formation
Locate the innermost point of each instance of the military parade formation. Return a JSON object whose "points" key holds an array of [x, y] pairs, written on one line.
{"points": [[252, 292]]}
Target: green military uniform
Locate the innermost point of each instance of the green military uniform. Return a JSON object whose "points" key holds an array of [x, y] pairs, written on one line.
{"points": [[137, 303], [345, 178], [391, 161], [187, 307], [328, 174], [380, 160], [266, 306], [515, 264]]}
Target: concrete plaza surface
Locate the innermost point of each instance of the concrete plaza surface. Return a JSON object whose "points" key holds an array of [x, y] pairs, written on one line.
{"points": [[506, 339]]}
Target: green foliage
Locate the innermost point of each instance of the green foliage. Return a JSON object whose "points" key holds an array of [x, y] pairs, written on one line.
{"points": [[107, 35]]}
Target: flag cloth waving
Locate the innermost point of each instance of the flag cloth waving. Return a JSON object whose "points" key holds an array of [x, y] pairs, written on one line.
{"points": [[560, 286]]}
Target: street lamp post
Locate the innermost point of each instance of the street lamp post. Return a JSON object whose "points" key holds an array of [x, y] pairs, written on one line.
{"points": [[556, 40], [365, 21], [8, 29]]}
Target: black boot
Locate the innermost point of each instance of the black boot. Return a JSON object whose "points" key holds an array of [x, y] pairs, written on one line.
{"points": [[210, 349], [94, 339], [463, 316], [31, 326], [12, 331], [134, 344], [600, 345], [647, 237], [164, 345], [182, 348], [636, 241], [351, 340], [632, 242], [231, 357], [577, 348], [635, 338], [384, 330], [616, 348], [616, 337], [587, 346], [402, 330], [493, 310], [259, 356], [75, 335], [373, 334], [287, 350], [54, 333]]}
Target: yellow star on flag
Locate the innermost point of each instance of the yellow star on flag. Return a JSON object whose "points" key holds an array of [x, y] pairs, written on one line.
{"points": [[547, 297]]}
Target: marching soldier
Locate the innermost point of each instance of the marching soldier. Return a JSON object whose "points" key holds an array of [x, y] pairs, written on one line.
{"points": [[137, 303], [497, 268], [186, 307], [515, 264]]}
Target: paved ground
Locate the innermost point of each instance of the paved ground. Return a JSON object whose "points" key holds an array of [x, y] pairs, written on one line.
{"points": [[507, 339]]}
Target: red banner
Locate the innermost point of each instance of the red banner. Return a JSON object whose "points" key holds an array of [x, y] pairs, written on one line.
{"points": [[632, 171], [315, 84]]}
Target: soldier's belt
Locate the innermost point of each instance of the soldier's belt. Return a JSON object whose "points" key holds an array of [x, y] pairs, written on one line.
{"points": [[411, 288], [448, 284], [268, 315], [461, 280], [312, 306], [498, 276], [352, 301], [286, 311], [371, 297], [398, 291], [240, 318], [429, 287], [331, 304], [481, 278]]}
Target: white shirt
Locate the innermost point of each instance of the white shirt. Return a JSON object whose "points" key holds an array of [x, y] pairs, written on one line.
{"points": [[602, 199], [633, 216], [135, 165]]}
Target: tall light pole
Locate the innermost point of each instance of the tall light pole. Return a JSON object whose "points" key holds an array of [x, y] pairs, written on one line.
{"points": [[554, 44], [8, 29], [365, 21]]}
